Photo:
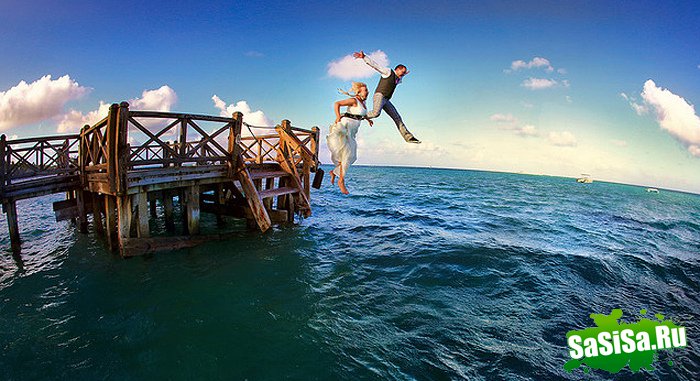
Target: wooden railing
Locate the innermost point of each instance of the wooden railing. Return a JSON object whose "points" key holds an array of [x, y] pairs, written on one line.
{"points": [[262, 145], [200, 147], [30, 158], [128, 141], [132, 141]]}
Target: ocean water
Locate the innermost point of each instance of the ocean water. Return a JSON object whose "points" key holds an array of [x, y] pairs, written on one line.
{"points": [[419, 274]]}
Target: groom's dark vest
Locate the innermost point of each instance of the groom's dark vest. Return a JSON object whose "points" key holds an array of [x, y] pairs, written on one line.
{"points": [[387, 85]]}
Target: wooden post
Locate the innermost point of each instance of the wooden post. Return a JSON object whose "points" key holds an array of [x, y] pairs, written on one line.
{"points": [[154, 210], [97, 214], [141, 201], [12, 224], [183, 140], [124, 216], [234, 140], [192, 201], [122, 149], [282, 199], [82, 212], [112, 128], [168, 209], [82, 155], [290, 208], [166, 154], [220, 195], [111, 221], [269, 182]]}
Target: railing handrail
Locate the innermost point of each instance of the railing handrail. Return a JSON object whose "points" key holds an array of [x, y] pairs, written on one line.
{"points": [[176, 115], [37, 139]]}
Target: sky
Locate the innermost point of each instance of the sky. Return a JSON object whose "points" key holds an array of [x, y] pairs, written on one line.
{"points": [[545, 87]]}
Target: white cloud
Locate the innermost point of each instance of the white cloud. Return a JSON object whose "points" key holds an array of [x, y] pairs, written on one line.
{"points": [[640, 109], [160, 99], [562, 139], [561, 71], [254, 118], [619, 143], [528, 130], [42, 99], [503, 118], [349, 67], [74, 120], [568, 99], [537, 62], [675, 115], [155, 100], [538, 83], [511, 123]]}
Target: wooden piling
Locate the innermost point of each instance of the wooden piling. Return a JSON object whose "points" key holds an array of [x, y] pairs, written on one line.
{"points": [[141, 201], [124, 217], [82, 212], [111, 221], [97, 214], [13, 226], [168, 210], [192, 202], [290, 208], [154, 208]]}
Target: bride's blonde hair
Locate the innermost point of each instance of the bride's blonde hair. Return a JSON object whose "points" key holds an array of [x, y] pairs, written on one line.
{"points": [[354, 89]]}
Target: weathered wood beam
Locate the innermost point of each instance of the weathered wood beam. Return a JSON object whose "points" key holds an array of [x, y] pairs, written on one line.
{"points": [[252, 197], [168, 210], [13, 225], [141, 201], [82, 211], [124, 217], [111, 219], [97, 214], [153, 207], [192, 204]]}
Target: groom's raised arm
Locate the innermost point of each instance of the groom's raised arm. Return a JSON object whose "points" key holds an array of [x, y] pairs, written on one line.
{"points": [[384, 71]]}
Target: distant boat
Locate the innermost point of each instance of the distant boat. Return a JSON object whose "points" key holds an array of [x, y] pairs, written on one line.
{"points": [[584, 179], [652, 190]]}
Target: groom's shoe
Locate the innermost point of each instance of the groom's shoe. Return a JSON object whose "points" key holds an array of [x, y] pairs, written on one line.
{"points": [[413, 139]]}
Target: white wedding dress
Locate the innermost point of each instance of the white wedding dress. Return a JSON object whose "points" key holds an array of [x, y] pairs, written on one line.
{"points": [[341, 139]]}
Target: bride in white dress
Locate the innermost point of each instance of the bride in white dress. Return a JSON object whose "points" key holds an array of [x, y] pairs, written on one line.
{"points": [[341, 136]]}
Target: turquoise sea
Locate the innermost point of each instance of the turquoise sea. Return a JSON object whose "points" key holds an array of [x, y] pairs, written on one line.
{"points": [[421, 274]]}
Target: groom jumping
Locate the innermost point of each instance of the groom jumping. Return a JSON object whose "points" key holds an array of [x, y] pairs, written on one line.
{"points": [[384, 91]]}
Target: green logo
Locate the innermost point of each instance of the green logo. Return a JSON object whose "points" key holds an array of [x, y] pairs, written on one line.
{"points": [[613, 345]]}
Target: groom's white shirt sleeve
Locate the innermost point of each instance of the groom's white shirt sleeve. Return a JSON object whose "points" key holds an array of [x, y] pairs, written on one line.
{"points": [[384, 71]]}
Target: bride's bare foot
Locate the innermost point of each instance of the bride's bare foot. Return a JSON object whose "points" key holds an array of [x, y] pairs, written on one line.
{"points": [[341, 185], [332, 177]]}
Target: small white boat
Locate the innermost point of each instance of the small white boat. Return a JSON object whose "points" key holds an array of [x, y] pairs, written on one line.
{"points": [[652, 190]]}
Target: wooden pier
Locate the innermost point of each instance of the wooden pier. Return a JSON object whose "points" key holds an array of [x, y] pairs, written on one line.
{"points": [[119, 168]]}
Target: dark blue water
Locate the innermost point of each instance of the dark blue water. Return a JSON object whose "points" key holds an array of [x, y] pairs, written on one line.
{"points": [[418, 274]]}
